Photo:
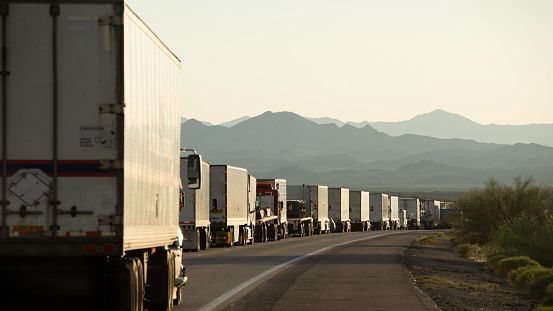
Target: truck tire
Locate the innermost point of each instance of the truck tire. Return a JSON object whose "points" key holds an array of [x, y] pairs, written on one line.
{"points": [[124, 285], [178, 299], [198, 240], [204, 241], [161, 281], [264, 234]]}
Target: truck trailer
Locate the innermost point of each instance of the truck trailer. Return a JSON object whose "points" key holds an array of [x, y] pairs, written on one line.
{"points": [[339, 208], [394, 212], [307, 205], [412, 207], [380, 211], [278, 228], [90, 159], [433, 210], [194, 218], [229, 191], [359, 202], [267, 199]]}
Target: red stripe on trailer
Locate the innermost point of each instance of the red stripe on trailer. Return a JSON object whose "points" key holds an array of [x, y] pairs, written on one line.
{"points": [[93, 233]]}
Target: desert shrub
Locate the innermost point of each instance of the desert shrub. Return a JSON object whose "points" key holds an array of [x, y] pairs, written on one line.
{"points": [[512, 277], [430, 239], [541, 287], [506, 265], [475, 252], [527, 235], [530, 275], [493, 260], [544, 309], [441, 235], [482, 211], [462, 249], [547, 301]]}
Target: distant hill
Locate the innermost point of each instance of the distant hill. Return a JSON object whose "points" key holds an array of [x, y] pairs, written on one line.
{"points": [[234, 122], [446, 125], [295, 148]]}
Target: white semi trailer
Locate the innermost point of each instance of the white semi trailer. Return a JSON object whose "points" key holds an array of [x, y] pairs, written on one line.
{"points": [[413, 209], [433, 210], [194, 219], [90, 135], [310, 207], [380, 211], [229, 205], [359, 202], [339, 208], [394, 212]]}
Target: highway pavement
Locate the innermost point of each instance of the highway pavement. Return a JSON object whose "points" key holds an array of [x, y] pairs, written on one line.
{"points": [[340, 271]]}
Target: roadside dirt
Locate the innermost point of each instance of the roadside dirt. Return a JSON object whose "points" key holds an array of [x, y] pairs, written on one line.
{"points": [[458, 283]]}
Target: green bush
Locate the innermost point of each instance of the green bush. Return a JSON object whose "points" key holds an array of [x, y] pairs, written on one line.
{"points": [[506, 265], [541, 287], [544, 309], [441, 235], [480, 212], [529, 276], [463, 249], [547, 301], [513, 276], [526, 235], [493, 260]]}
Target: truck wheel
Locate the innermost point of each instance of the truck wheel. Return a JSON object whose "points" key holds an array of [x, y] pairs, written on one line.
{"points": [[161, 281], [204, 243], [198, 240], [178, 300], [264, 234]]}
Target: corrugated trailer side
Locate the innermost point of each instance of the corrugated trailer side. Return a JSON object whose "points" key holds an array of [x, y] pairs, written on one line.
{"points": [[229, 196], [194, 217], [338, 199], [90, 152], [96, 136], [359, 214]]}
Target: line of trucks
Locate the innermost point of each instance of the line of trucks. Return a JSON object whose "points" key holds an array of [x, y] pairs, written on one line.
{"points": [[98, 200], [235, 208]]}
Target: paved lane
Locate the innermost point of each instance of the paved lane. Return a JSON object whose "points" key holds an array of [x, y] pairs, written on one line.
{"points": [[340, 271]]}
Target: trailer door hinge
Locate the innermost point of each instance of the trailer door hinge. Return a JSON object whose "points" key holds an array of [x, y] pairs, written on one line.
{"points": [[112, 108], [111, 20], [111, 164], [110, 220]]}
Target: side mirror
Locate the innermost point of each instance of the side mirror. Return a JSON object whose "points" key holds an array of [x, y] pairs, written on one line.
{"points": [[194, 171]]}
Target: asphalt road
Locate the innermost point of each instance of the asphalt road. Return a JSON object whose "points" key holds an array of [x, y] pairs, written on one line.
{"points": [[346, 271]]}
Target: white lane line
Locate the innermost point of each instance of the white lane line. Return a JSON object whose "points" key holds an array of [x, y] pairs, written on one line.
{"points": [[219, 300]]}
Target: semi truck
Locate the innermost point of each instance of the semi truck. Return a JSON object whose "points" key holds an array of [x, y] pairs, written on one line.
{"points": [[339, 209], [413, 210], [433, 210], [359, 202], [229, 192], [194, 218], [90, 159], [394, 212], [315, 201], [380, 211], [278, 228], [403, 225], [267, 199]]}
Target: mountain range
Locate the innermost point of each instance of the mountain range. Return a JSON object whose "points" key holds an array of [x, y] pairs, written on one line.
{"points": [[304, 151]]}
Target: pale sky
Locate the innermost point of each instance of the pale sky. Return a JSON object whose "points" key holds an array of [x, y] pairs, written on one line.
{"points": [[360, 60]]}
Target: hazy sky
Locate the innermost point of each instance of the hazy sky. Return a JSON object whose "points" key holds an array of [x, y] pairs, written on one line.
{"points": [[360, 60]]}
